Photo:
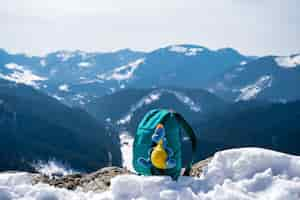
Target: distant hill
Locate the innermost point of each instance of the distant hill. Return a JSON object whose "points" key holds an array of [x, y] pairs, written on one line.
{"points": [[187, 66], [274, 126], [271, 78], [76, 78], [35, 126], [127, 107]]}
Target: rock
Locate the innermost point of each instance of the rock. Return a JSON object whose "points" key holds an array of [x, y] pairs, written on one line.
{"points": [[197, 169], [97, 181]]}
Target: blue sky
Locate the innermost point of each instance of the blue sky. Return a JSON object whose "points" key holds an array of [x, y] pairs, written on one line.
{"points": [[256, 27]]}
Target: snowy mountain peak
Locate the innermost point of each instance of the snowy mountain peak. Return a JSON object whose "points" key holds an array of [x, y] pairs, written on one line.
{"points": [[288, 61], [186, 50]]}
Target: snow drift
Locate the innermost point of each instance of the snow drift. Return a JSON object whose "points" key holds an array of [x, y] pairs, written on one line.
{"points": [[248, 173]]}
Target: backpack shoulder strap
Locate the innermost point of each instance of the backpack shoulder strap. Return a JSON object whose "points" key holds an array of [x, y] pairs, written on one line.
{"points": [[191, 134]]}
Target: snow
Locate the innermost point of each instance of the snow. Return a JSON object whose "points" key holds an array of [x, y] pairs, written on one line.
{"points": [[146, 100], [178, 49], [288, 61], [236, 174], [126, 148], [43, 62], [125, 119], [21, 75], [55, 96], [52, 168], [84, 64], [112, 90], [80, 98], [186, 51], [243, 63], [251, 91], [154, 96], [122, 73], [186, 100], [83, 80], [64, 88], [65, 55], [14, 66], [193, 51]]}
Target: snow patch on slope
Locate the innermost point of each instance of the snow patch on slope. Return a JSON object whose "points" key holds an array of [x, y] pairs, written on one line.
{"points": [[122, 73], [243, 174], [84, 64], [55, 96], [148, 99], [243, 63], [64, 88], [186, 51], [155, 96], [14, 66], [186, 100], [251, 91], [21, 75], [43, 62], [65, 55], [288, 61]]}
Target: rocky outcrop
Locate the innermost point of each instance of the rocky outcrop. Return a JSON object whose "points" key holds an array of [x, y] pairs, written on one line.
{"points": [[198, 168], [100, 180]]}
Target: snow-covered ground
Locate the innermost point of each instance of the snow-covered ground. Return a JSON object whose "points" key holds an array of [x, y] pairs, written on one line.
{"points": [[126, 148], [237, 174]]}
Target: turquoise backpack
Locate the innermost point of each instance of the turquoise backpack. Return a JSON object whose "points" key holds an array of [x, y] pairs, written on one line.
{"points": [[143, 142]]}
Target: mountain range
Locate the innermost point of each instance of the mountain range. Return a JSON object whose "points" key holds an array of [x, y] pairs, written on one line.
{"points": [[272, 78], [76, 78], [127, 107], [71, 104]]}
